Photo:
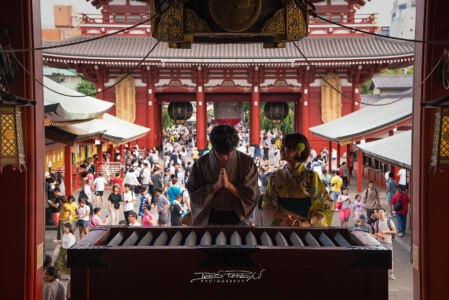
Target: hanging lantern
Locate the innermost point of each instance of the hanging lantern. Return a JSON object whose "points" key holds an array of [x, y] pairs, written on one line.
{"points": [[271, 22], [11, 138], [440, 151], [276, 111], [228, 112], [180, 112]]}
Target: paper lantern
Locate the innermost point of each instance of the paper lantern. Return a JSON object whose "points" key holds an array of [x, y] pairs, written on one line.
{"points": [[11, 138]]}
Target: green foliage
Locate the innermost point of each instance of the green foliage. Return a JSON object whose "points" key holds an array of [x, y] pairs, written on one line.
{"points": [[86, 87], [167, 122], [265, 123]]}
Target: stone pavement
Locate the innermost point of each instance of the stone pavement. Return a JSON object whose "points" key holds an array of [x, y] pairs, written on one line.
{"points": [[399, 289]]}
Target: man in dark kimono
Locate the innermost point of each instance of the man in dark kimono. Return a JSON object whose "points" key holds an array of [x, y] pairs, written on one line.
{"points": [[223, 184]]}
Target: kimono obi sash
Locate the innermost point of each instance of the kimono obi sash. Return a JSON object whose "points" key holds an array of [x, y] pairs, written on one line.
{"points": [[299, 206]]}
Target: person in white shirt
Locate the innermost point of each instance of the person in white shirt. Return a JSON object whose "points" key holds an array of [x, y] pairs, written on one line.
{"points": [[82, 218], [99, 183], [67, 241], [402, 173], [181, 176], [384, 229], [146, 175], [132, 218], [131, 179], [128, 198]]}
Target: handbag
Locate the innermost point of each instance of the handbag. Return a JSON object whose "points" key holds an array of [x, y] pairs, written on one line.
{"points": [[338, 205]]}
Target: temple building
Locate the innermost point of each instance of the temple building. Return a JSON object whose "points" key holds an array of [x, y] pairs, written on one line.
{"points": [[229, 73]]}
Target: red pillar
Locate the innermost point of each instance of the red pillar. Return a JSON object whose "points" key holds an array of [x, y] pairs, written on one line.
{"points": [[330, 157], [338, 154], [122, 159], [359, 171], [201, 114], [157, 123], [111, 153], [255, 117], [24, 245], [297, 116], [305, 104], [151, 111], [100, 153], [356, 90], [348, 161], [68, 170], [429, 188]]}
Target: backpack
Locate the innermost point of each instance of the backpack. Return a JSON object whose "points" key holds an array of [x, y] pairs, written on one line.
{"points": [[398, 206], [366, 193], [389, 226]]}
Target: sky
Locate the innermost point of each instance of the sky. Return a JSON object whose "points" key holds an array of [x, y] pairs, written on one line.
{"points": [[382, 7]]}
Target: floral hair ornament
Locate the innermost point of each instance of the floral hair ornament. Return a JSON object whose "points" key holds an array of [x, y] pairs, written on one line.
{"points": [[300, 147]]}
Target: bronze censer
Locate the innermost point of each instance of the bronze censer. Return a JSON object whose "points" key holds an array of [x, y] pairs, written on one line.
{"points": [[271, 22]]}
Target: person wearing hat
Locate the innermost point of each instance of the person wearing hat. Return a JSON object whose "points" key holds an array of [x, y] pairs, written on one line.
{"points": [[362, 224], [400, 203]]}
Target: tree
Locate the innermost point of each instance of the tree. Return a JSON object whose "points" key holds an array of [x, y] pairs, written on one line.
{"points": [[286, 127], [86, 87], [167, 122]]}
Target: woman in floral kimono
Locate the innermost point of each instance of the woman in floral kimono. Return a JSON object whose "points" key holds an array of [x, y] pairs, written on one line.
{"points": [[296, 196]]}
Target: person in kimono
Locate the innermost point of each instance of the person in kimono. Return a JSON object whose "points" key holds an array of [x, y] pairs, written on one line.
{"points": [[296, 196], [223, 183]]}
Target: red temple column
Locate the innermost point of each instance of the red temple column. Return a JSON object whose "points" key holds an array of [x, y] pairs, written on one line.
{"points": [[111, 153], [255, 117], [68, 182], [151, 111], [359, 171], [305, 104], [298, 116], [356, 90], [201, 113], [100, 153], [338, 154], [122, 159], [348, 161], [99, 86], [330, 157]]}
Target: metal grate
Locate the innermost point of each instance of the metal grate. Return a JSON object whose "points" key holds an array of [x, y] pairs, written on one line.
{"points": [[128, 238]]}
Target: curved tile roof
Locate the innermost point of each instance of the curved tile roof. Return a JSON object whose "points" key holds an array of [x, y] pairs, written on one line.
{"points": [[366, 120], [71, 108], [314, 47], [396, 149]]}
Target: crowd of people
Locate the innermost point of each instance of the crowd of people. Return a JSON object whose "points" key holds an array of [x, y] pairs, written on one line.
{"points": [[153, 189]]}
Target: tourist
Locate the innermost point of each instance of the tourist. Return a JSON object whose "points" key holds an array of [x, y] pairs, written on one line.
{"points": [[145, 199], [53, 289], [99, 183], [158, 181], [294, 195], [358, 208], [63, 216], [402, 173], [372, 219], [176, 211], [391, 188], [55, 205], [67, 241], [361, 223], [86, 193], [223, 183], [128, 197], [344, 173], [96, 220], [132, 218], [400, 203], [173, 191], [131, 179], [82, 218], [147, 219], [384, 230], [345, 206], [326, 179], [146, 175], [371, 198], [117, 180], [72, 206], [114, 202], [336, 185], [162, 206]]}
